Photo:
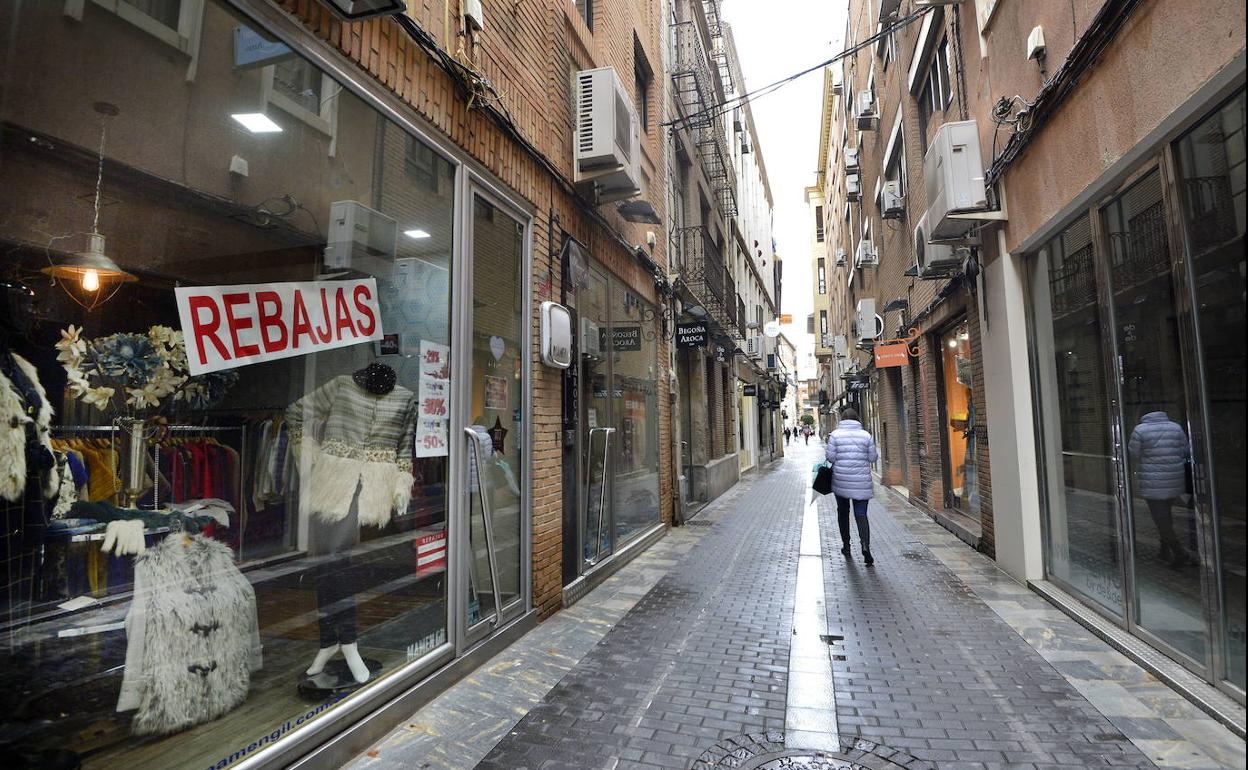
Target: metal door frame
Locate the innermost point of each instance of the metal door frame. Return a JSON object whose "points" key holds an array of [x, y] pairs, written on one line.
{"points": [[1102, 257], [472, 187], [584, 439]]}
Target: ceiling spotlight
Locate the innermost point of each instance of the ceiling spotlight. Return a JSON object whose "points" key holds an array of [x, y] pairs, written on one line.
{"points": [[416, 234], [353, 10], [257, 122]]}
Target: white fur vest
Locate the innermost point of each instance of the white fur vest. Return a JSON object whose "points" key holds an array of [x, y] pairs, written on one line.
{"points": [[13, 422], [192, 638]]}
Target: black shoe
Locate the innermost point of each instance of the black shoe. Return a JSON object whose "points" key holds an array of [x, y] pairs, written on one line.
{"points": [[866, 558], [846, 552]]}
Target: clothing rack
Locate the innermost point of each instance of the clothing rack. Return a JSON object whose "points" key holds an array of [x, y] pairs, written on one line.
{"points": [[183, 428]]}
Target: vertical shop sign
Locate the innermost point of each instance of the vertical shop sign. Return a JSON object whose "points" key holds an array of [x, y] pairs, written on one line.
{"points": [[230, 326], [433, 420]]}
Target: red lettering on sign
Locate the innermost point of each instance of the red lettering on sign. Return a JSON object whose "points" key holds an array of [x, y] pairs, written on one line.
{"points": [[207, 330], [360, 295], [301, 325], [327, 333], [235, 323], [271, 320], [342, 315]]}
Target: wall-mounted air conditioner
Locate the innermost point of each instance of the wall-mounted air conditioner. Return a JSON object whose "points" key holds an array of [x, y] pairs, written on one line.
{"points": [[473, 15], [866, 255], [868, 325], [936, 260], [754, 346], [851, 159], [840, 257], [607, 139], [894, 204], [359, 236], [864, 110], [953, 171], [853, 189]]}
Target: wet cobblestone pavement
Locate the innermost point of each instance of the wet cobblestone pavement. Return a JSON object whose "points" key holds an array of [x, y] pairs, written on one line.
{"points": [[681, 660]]}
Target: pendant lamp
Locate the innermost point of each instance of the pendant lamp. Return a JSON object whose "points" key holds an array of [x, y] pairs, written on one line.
{"points": [[90, 277]]}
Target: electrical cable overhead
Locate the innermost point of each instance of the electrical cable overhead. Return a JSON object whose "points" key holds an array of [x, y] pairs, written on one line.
{"points": [[715, 110]]}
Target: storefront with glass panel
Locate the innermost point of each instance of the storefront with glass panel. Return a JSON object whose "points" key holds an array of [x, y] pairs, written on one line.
{"points": [[1137, 317], [613, 404], [264, 352]]}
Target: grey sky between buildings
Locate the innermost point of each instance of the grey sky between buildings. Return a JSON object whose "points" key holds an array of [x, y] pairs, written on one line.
{"points": [[776, 38]]}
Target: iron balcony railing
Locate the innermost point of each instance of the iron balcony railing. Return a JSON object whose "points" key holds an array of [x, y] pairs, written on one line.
{"points": [[703, 271], [698, 92]]}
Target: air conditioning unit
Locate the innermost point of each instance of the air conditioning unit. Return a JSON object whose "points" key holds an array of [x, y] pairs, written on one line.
{"points": [[840, 257], [473, 14], [864, 111], [953, 171], [840, 346], [607, 139], [894, 202], [359, 236], [869, 326], [754, 346], [866, 256], [851, 159], [936, 260], [853, 190]]}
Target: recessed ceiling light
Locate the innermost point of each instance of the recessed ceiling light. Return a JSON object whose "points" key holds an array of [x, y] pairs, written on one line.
{"points": [[416, 234], [257, 122]]}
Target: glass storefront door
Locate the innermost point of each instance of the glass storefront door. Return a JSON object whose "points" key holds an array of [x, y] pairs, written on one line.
{"points": [[494, 438], [618, 433], [1210, 168], [1138, 311]]}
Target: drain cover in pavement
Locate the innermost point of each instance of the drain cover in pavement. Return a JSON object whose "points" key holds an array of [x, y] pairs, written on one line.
{"points": [[766, 751]]}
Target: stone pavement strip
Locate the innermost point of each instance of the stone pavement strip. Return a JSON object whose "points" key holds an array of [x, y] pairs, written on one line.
{"points": [[682, 660]]}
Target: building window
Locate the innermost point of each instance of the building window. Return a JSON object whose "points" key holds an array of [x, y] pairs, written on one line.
{"points": [[586, 9], [642, 79], [819, 224], [938, 90], [823, 275], [165, 12], [823, 326]]}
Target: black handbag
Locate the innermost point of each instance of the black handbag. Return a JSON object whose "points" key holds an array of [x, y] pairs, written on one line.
{"points": [[823, 481]]}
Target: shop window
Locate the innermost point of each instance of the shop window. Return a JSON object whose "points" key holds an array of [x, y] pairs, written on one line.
{"points": [[958, 403], [282, 458]]}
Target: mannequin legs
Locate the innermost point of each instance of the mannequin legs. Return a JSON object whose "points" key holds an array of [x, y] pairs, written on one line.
{"points": [[335, 597]]}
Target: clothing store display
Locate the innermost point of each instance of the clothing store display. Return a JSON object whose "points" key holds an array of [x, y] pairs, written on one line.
{"points": [[218, 510], [66, 490], [192, 637], [25, 429], [364, 441], [122, 538]]}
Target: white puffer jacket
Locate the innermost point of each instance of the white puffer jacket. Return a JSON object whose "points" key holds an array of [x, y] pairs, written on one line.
{"points": [[1158, 448], [850, 452]]}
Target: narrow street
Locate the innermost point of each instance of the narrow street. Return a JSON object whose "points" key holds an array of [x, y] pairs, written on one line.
{"points": [[693, 656]]}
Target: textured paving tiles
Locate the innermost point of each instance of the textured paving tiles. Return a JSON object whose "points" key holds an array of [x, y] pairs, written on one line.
{"points": [[701, 658]]}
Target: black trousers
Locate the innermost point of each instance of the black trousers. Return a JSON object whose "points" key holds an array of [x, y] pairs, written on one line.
{"points": [[860, 518]]}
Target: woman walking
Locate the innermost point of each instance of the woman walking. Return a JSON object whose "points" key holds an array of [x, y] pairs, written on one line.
{"points": [[851, 451]]}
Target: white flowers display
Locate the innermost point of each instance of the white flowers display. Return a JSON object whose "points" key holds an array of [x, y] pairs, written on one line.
{"points": [[148, 369]]}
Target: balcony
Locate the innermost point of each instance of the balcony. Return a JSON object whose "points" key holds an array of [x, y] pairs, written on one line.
{"points": [[698, 90], [702, 269]]}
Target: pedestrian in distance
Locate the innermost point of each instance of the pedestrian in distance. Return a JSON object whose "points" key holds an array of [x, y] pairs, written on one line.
{"points": [[786, 435], [850, 451], [806, 434]]}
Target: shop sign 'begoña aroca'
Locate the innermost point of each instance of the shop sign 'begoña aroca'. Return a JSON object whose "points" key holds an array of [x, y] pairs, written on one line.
{"points": [[231, 326]]}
